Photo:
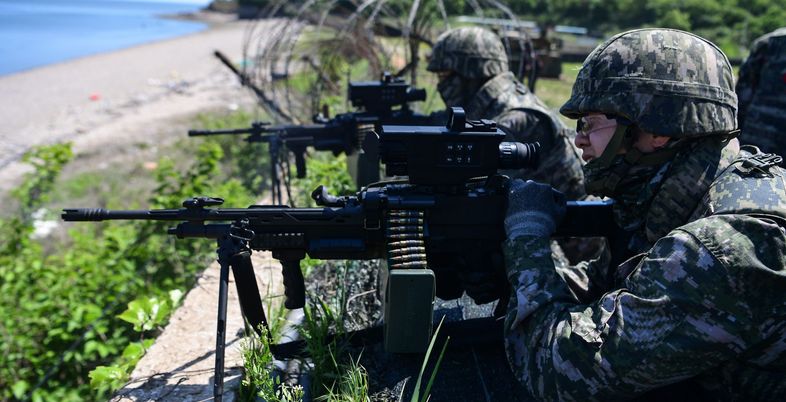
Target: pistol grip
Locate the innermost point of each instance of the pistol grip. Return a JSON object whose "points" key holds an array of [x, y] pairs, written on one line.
{"points": [[300, 164], [294, 286]]}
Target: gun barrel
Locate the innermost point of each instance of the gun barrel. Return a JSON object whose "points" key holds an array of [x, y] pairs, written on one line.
{"points": [[416, 94], [237, 131], [100, 214], [227, 63]]}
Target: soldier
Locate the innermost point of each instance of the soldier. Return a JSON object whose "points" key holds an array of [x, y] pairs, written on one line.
{"points": [[697, 306], [473, 73], [761, 89]]}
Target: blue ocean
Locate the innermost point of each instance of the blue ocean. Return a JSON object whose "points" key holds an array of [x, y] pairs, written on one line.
{"points": [[35, 33]]}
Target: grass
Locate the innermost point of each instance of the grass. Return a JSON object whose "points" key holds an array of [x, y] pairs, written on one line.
{"points": [[554, 93], [258, 380], [427, 392], [351, 385]]}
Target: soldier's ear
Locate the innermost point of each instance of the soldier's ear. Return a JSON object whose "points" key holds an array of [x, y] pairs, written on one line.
{"points": [[648, 142], [659, 141]]}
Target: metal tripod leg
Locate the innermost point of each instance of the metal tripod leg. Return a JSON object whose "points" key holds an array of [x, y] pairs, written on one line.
{"points": [[233, 252], [248, 292]]}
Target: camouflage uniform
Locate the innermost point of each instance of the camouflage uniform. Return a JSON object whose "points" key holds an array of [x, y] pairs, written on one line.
{"points": [[761, 89], [699, 300], [486, 89]]}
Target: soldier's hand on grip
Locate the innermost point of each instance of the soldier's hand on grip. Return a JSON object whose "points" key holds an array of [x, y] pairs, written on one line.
{"points": [[534, 209]]}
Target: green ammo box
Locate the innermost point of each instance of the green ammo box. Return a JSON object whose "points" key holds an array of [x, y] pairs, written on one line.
{"points": [[409, 310]]}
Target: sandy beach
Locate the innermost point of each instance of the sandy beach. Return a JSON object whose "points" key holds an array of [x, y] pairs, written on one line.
{"points": [[104, 101]]}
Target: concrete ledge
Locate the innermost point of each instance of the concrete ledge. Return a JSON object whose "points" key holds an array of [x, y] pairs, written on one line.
{"points": [[179, 366]]}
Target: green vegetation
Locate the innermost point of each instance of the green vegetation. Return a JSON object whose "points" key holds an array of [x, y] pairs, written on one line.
{"points": [[427, 391], [81, 307], [555, 92], [731, 24], [145, 314], [258, 379]]}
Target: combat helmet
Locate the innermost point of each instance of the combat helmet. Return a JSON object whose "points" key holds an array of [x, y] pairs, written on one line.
{"points": [[665, 81], [472, 52], [662, 81]]}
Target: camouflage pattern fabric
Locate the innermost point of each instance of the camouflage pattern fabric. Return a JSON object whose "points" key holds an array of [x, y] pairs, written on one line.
{"points": [[472, 52], [526, 119], [761, 90], [665, 81], [476, 54], [704, 302]]}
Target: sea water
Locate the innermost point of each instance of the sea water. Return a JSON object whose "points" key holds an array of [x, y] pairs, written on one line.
{"points": [[35, 33]]}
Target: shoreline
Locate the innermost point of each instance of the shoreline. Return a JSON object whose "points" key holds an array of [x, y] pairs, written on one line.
{"points": [[118, 96], [211, 19]]}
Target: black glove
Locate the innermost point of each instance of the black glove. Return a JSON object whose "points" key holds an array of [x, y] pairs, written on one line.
{"points": [[534, 209]]}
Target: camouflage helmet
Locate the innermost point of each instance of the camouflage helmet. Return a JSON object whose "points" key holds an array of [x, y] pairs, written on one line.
{"points": [[472, 52], [665, 81]]}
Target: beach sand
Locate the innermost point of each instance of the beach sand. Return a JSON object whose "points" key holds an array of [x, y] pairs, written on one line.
{"points": [[105, 101]]}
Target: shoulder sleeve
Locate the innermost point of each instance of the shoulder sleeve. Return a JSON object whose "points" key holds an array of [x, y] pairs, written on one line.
{"points": [[682, 311], [527, 126], [560, 165]]}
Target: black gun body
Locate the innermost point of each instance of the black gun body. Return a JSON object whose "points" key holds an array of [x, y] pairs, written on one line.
{"points": [[324, 233], [443, 217], [359, 231]]}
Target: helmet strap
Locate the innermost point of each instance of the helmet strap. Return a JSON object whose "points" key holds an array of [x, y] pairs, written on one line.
{"points": [[657, 157], [611, 175], [622, 138]]}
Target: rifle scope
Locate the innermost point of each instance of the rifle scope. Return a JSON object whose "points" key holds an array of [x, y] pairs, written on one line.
{"points": [[384, 94]]}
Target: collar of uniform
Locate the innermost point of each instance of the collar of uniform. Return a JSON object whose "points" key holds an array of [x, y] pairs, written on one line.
{"points": [[690, 176], [489, 94]]}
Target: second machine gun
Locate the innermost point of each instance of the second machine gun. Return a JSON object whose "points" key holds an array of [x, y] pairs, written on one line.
{"points": [[381, 102], [447, 216]]}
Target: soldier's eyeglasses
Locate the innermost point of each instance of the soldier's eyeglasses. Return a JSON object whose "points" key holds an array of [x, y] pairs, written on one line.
{"points": [[588, 124]]}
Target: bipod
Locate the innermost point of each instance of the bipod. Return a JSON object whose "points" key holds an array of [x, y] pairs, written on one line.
{"points": [[274, 148], [233, 251]]}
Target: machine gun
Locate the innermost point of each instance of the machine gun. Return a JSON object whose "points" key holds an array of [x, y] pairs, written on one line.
{"points": [[381, 102], [446, 217]]}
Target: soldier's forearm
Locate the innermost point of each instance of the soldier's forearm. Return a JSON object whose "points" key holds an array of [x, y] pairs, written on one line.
{"points": [[531, 273]]}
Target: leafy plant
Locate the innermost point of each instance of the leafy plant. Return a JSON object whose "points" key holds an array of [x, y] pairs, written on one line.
{"points": [[259, 380], [59, 304], [323, 169], [145, 314]]}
